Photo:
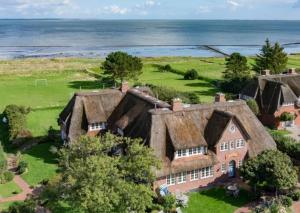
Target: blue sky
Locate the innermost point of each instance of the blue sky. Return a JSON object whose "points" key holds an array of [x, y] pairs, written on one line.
{"points": [[151, 9]]}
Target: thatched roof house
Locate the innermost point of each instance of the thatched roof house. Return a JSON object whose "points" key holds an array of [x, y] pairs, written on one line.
{"points": [[273, 92], [171, 129]]}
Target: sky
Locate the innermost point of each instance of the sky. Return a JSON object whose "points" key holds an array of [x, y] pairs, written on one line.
{"points": [[152, 9]]}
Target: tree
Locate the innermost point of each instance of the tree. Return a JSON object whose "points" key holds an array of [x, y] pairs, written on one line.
{"points": [[271, 168], [236, 67], [120, 65], [191, 75], [16, 118], [271, 57], [236, 74], [93, 179], [253, 106]]}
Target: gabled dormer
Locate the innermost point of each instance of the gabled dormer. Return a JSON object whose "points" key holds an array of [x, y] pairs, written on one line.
{"points": [[224, 132]]}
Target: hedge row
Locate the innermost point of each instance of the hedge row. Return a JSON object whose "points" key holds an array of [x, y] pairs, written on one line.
{"points": [[287, 145]]}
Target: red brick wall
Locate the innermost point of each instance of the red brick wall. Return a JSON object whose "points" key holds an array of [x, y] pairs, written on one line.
{"points": [[223, 157], [291, 109]]}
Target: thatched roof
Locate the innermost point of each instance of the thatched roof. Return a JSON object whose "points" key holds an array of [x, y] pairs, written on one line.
{"points": [[140, 115], [86, 108], [272, 91]]}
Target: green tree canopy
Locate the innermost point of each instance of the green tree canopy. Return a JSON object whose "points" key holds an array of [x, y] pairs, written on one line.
{"points": [[93, 179], [271, 57], [271, 168], [236, 67], [120, 65]]}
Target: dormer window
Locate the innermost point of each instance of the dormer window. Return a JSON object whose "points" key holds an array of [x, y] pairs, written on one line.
{"points": [[191, 152], [98, 126]]}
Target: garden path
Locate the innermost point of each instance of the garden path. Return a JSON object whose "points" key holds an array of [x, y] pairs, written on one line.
{"points": [[11, 161]]}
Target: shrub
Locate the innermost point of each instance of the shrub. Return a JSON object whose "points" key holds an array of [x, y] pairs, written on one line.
{"points": [[167, 94], [6, 176], [167, 68], [253, 106], [287, 145], [286, 201], [286, 116], [3, 162], [295, 196], [16, 116], [191, 75], [169, 203], [23, 165], [28, 206]]}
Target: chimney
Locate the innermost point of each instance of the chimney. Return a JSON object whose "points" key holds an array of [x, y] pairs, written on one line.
{"points": [[266, 72], [177, 105], [124, 87], [220, 97], [292, 71]]}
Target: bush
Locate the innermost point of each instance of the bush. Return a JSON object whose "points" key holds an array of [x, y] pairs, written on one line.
{"points": [[167, 68], [23, 165], [295, 196], [253, 106], [3, 162], [286, 201], [6, 176], [191, 75], [287, 145], [286, 116], [16, 116], [28, 206], [169, 202], [167, 94]]}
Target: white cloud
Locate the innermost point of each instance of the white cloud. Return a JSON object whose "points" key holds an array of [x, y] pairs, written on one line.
{"points": [[37, 7], [115, 9], [204, 9]]}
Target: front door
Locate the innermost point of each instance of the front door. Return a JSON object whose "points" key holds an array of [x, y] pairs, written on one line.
{"points": [[231, 172]]}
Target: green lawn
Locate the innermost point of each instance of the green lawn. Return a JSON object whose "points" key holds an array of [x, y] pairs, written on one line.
{"points": [[39, 121], [215, 201], [5, 206], [8, 189], [41, 164]]}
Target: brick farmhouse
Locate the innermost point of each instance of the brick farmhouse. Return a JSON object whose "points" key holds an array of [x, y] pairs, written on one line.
{"points": [[198, 145], [276, 94]]}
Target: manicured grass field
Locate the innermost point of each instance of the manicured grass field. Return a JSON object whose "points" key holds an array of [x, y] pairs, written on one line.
{"points": [[8, 189], [215, 201], [39, 121], [42, 164]]}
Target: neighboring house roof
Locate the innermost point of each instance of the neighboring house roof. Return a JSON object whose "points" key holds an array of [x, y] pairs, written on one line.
{"points": [[140, 115], [87, 108], [273, 91]]}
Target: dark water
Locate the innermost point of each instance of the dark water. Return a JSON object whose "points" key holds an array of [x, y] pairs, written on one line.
{"points": [[96, 38]]}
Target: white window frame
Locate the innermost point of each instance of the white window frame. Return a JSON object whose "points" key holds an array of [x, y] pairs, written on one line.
{"points": [[97, 126], [240, 143], [224, 146], [223, 168], [194, 175], [207, 172], [200, 150], [232, 145], [181, 177], [171, 180]]}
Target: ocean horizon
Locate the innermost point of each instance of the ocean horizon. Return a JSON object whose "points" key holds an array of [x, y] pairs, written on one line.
{"points": [[23, 38]]}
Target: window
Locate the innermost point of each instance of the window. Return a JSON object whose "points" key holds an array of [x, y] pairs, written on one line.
{"points": [[223, 168], [240, 163], [171, 180], [240, 143], [207, 172], [190, 152], [97, 126], [194, 175], [232, 128], [224, 146], [232, 145], [181, 178]]}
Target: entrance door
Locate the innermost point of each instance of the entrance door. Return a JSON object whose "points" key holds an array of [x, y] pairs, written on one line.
{"points": [[231, 172]]}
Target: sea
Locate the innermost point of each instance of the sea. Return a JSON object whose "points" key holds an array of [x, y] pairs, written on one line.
{"points": [[145, 38]]}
